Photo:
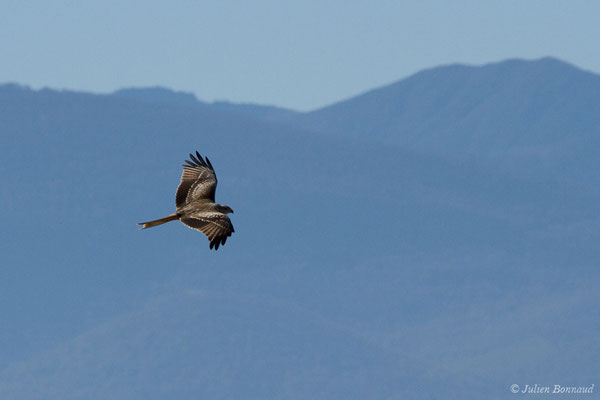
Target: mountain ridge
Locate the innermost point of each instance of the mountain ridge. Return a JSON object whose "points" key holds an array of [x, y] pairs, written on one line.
{"points": [[517, 114]]}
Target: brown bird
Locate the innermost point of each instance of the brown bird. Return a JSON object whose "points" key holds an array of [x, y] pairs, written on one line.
{"points": [[195, 203]]}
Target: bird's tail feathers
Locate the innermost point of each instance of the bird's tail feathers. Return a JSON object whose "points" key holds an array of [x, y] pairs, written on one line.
{"points": [[161, 221]]}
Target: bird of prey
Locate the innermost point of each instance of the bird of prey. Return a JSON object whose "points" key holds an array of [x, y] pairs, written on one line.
{"points": [[195, 203]]}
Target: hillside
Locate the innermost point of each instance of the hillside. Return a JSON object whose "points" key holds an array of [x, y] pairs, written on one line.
{"points": [[360, 267]]}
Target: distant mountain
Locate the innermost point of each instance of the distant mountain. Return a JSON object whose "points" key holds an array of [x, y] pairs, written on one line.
{"points": [[519, 114], [361, 266]]}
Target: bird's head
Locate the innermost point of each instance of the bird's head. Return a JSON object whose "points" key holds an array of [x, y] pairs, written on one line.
{"points": [[224, 209]]}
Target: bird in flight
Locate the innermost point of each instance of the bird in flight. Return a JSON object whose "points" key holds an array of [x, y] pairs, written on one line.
{"points": [[195, 203]]}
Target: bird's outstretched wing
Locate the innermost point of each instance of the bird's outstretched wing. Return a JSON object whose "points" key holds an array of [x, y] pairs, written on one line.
{"points": [[198, 181], [216, 226]]}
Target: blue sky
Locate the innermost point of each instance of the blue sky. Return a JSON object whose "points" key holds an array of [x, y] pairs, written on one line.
{"points": [[300, 54]]}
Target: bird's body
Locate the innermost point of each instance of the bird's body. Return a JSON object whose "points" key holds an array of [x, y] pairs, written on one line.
{"points": [[195, 203]]}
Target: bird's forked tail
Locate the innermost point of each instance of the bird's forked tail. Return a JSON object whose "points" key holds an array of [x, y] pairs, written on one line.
{"points": [[161, 221]]}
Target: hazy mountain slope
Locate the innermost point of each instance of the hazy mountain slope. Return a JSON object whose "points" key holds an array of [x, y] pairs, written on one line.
{"points": [[194, 343], [459, 270], [199, 344], [541, 115], [81, 170]]}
